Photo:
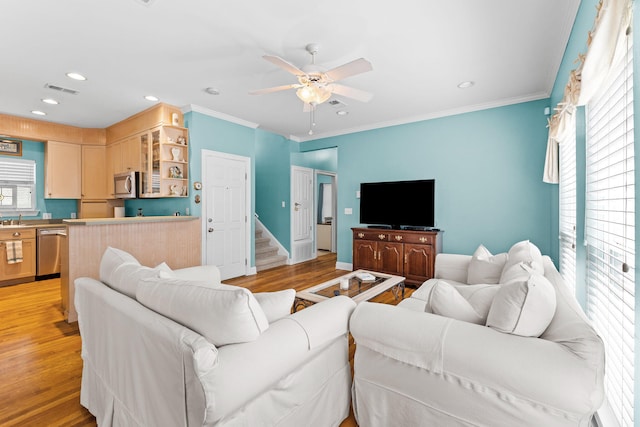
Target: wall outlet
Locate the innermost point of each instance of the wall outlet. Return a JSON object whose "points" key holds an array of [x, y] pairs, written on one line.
{"points": [[348, 211], [46, 215], [283, 204], [73, 215]]}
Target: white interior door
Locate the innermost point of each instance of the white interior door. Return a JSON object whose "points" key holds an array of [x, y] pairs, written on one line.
{"points": [[225, 207], [302, 214]]}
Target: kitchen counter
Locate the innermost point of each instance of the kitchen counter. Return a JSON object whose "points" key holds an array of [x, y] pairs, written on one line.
{"points": [[176, 240], [128, 220]]}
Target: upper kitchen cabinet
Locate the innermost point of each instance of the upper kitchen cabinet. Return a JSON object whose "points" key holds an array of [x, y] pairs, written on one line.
{"points": [[165, 162], [94, 182], [63, 169]]}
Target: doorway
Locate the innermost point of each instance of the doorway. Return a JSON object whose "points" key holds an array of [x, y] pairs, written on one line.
{"points": [[326, 211], [226, 206]]}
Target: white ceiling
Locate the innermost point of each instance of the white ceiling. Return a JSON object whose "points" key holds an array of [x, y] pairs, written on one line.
{"points": [[420, 51]]}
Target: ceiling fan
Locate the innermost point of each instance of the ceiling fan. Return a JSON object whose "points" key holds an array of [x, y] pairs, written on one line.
{"points": [[316, 84]]}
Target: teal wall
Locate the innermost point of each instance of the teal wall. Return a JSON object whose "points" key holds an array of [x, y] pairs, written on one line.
{"points": [[273, 184], [487, 166], [59, 208]]}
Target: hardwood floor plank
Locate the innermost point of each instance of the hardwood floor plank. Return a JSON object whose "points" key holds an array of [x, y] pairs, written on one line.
{"points": [[40, 363]]}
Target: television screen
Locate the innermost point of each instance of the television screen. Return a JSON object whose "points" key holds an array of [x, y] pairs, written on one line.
{"points": [[398, 204]]}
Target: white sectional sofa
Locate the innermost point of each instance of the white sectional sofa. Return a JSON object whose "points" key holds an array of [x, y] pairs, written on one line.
{"points": [[177, 348], [513, 348]]}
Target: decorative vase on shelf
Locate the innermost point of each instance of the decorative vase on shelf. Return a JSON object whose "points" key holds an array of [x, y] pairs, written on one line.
{"points": [[177, 154]]}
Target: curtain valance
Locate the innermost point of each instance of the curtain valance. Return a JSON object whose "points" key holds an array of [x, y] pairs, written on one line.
{"points": [[604, 44]]}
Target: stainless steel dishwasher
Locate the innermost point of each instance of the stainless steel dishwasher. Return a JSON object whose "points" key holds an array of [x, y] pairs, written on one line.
{"points": [[48, 245]]}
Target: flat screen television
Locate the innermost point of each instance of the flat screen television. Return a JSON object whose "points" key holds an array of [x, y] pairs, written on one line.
{"points": [[398, 204]]}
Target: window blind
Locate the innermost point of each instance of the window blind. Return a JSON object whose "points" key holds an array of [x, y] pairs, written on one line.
{"points": [[610, 218], [567, 203], [17, 185]]}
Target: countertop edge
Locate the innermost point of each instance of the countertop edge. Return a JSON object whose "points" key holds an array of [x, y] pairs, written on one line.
{"points": [[128, 220]]}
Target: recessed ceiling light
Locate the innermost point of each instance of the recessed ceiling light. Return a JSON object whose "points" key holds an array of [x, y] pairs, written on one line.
{"points": [[466, 84], [342, 112], [38, 113], [50, 101], [212, 91], [76, 76], [151, 98]]}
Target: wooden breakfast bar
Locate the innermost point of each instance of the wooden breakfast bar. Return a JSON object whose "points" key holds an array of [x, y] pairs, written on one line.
{"points": [[175, 240]]}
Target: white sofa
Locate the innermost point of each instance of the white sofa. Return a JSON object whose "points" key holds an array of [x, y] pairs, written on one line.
{"points": [[144, 368], [416, 368]]}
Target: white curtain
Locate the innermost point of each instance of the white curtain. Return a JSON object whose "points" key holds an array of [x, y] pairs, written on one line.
{"points": [[605, 42]]}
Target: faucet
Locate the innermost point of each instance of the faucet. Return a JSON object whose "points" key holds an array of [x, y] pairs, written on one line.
{"points": [[19, 219]]}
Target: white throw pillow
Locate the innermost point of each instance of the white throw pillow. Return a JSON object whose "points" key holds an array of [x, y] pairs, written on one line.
{"points": [[527, 253], [480, 297], [517, 272], [125, 278], [223, 314], [276, 305], [485, 268], [446, 301], [111, 259], [523, 307], [121, 271]]}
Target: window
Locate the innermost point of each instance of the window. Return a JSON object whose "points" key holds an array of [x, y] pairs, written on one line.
{"points": [[17, 187], [610, 232], [567, 203]]}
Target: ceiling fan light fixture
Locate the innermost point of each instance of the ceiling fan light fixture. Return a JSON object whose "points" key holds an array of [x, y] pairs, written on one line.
{"points": [[313, 94]]}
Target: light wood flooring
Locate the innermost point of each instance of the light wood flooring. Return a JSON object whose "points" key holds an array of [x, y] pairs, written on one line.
{"points": [[40, 364]]}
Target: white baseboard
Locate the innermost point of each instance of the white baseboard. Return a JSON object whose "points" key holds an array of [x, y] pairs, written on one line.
{"points": [[344, 266]]}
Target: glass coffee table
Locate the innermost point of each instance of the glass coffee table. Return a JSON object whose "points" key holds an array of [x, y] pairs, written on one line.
{"points": [[359, 290]]}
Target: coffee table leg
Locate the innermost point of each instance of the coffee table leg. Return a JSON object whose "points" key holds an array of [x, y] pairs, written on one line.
{"points": [[396, 289]]}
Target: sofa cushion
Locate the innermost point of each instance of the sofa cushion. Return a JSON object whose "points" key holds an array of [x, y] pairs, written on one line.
{"points": [[523, 307], [525, 252], [446, 301], [485, 268], [223, 314], [276, 305]]}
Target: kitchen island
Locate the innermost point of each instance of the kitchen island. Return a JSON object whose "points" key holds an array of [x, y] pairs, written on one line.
{"points": [[175, 240]]}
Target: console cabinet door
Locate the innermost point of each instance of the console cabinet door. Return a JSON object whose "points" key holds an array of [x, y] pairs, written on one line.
{"points": [[364, 255], [418, 262], [390, 258]]}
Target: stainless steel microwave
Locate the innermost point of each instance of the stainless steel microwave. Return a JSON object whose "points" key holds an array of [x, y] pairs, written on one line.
{"points": [[125, 185]]}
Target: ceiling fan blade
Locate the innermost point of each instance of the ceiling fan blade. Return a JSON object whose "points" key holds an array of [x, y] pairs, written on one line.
{"points": [[271, 89], [287, 66], [350, 92], [349, 69]]}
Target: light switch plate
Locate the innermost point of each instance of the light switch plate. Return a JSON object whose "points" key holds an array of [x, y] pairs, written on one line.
{"points": [[348, 211]]}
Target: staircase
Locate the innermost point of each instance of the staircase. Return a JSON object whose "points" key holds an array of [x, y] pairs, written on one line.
{"points": [[266, 255]]}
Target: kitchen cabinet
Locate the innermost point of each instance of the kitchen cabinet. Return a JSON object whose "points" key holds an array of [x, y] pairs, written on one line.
{"points": [[405, 253], [94, 175], [24, 271], [164, 162], [63, 170]]}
